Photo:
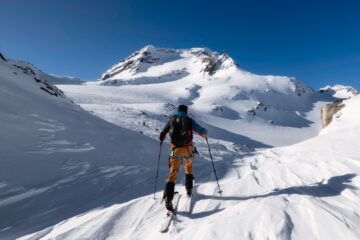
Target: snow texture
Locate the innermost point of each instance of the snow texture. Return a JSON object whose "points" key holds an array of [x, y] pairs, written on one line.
{"points": [[88, 172]]}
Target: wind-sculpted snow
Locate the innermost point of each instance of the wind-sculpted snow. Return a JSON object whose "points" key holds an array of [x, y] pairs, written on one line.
{"points": [[58, 160], [308, 190], [67, 174]]}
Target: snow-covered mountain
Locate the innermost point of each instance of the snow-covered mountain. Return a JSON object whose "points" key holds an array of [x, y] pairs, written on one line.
{"points": [[340, 91], [30, 69], [67, 174], [220, 93], [58, 160]]}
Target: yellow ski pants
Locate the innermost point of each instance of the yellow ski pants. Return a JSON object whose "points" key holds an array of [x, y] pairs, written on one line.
{"points": [[180, 155]]}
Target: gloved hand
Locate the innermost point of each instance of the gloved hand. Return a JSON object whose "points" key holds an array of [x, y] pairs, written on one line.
{"points": [[162, 136], [204, 134]]}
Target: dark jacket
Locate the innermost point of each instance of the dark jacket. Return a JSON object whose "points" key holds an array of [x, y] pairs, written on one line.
{"points": [[194, 127]]}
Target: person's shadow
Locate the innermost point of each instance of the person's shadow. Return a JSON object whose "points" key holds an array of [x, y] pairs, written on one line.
{"points": [[333, 187]]}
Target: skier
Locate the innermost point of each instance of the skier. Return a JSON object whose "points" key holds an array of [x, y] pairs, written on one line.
{"points": [[180, 128]]}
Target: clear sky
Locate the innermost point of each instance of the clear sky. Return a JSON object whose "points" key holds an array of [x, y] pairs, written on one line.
{"points": [[318, 42]]}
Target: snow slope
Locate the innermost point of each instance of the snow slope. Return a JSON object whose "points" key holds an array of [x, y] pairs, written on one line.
{"points": [[29, 68], [309, 190], [340, 91], [237, 106], [58, 160], [70, 175]]}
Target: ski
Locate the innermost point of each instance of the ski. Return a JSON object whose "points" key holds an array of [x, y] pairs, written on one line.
{"points": [[189, 202], [187, 205], [170, 215]]}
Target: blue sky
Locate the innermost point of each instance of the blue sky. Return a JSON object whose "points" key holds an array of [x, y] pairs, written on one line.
{"points": [[318, 42]]}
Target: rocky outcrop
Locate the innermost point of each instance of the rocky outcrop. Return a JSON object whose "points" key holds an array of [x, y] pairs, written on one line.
{"points": [[26, 69], [259, 107], [340, 91], [329, 110], [149, 56], [139, 61], [132, 63], [214, 61], [37, 75], [300, 89], [2, 57]]}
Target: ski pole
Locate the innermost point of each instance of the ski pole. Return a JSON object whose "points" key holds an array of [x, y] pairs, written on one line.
{"points": [[214, 167], [157, 169]]}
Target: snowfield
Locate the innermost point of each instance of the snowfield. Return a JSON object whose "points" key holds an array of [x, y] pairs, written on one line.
{"points": [[58, 160], [88, 171], [237, 106], [308, 190]]}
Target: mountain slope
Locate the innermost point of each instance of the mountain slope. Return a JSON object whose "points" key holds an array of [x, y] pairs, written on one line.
{"points": [[340, 91], [58, 160], [30, 69], [306, 191], [71, 175], [249, 109]]}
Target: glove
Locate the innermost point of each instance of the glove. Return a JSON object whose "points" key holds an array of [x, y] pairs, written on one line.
{"points": [[162, 136], [204, 135]]}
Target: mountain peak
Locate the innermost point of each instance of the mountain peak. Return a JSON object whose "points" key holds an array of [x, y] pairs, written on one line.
{"points": [[148, 48], [137, 64], [340, 91]]}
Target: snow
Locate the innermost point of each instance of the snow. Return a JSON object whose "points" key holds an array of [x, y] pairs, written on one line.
{"points": [[266, 110], [305, 191], [51, 78], [53, 155], [68, 174], [340, 91]]}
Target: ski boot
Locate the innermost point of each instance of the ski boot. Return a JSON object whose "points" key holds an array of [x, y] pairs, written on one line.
{"points": [[188, 192], [169, 206]]}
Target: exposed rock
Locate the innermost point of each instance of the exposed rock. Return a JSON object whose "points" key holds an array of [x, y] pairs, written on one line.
{"points": [[50, 89], [150, 56], [261, 107], [27, 70], [217, 108], [2, 57], [340, 91], [329, 110], [300, 89], [139, 59], [214, 61], [252, 112], [36, 74]]}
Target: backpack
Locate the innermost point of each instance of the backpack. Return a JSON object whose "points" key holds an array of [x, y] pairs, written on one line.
{"points": [[180, 130]]}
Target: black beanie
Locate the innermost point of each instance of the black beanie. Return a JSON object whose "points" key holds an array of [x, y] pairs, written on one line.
{"points": [[182, 108]]}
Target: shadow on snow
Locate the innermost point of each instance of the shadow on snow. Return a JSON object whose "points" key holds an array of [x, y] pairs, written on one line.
{"points": [[333, 187]]}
